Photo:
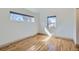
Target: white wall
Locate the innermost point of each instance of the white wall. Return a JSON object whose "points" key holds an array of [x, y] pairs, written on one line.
{"points": [[65, 21], [77, 26], [11, 31], [74, 27]]}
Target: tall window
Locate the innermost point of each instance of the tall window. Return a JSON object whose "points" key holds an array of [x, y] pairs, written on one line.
{"points": [[18, 17], [51, 21]]}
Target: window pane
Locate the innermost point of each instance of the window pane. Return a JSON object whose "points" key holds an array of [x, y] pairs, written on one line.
{"points": [[51, 21], [33, 19], [21, 17], [16, 17]]}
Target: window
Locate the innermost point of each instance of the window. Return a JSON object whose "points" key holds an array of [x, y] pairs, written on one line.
{"points": [[18, 17], [51, 21]]}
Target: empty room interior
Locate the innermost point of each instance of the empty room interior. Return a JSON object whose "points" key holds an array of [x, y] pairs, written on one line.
{"points": [[39, 29]]}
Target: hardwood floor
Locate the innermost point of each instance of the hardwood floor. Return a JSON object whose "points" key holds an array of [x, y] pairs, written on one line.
{"points": [[41, 43]]}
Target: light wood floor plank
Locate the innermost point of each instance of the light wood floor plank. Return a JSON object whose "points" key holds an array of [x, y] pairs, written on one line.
{"points": [[37, 43]]}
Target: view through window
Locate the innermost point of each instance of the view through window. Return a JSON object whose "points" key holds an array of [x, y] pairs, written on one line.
{"points": [[18, 17], [51, 21]]}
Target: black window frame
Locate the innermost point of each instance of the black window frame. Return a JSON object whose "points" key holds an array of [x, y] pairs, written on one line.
{"points": [[20, 14]]}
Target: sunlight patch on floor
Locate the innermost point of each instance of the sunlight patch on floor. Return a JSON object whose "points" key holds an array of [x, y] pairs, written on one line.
{"points": [[48, 33], [32, 48]]}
